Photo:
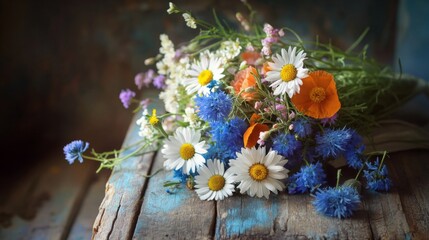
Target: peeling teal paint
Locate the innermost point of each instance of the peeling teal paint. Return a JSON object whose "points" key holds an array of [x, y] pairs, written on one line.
{"points": [[254, 213], [160, 201]]}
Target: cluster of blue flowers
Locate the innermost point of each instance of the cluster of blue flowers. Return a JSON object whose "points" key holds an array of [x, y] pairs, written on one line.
{"points": [[226, 136], [376, 177], [309, 147]]}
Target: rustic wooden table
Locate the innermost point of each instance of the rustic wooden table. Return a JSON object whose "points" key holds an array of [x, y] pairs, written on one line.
{"points": [[135, 207]]}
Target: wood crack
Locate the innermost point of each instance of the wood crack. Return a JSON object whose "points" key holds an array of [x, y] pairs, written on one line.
{"points": [[140, 202], [212, 231], [116, 217]]}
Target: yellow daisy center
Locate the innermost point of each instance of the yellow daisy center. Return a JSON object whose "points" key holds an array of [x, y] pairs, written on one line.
{"points": [[205, 77], [216, 182], [317, 94], [288, 72], [187, 151], [258, 172], [153, 119]]}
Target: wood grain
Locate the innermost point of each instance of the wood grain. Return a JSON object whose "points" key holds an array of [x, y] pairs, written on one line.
{"points": [[284, 217], [121, 204], [120, 207], [82, 226], [410, 175], [181, 215], [46, 204]]}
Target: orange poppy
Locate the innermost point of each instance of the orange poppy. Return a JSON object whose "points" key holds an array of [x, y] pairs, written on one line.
{"points": [[245, 79], [251, 136], [250, 57], [318, 96]]}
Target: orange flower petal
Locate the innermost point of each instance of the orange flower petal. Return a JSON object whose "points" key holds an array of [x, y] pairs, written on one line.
{"points": [[323, 109], [265, 68], [250, 57], [254, 118], [251, 136], [243, 80]]}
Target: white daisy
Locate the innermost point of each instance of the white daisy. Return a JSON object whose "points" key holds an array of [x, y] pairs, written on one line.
{"points": [[287, 72], [202, 73], [259, 173], [184, 150], [213, 183]]}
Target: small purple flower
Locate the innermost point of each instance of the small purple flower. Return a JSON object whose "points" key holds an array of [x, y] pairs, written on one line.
{"points": [[159, 81], [178, 54], [144, 103], [272, 37], [144, 79], [138, 80], [282, 109], [74, 150], [126, 96]]}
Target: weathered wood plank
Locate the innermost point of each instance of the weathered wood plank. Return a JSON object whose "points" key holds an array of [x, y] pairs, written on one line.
{"points": [[244, 217], [385, 210], [121, 204], [82, 226], [284, 217], [410, 174], [181, 215], [386, 215], [50, 203], [120, 207]]}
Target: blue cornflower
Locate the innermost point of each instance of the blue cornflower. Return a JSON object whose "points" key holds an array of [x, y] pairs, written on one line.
{"points": [[354, 157], [286, 144], [338, 202], [214, 107], [230, 132], [74, 150], [227, 138], [307, 179], [332, 143], [223, 152], [377, 178], [180, 175], [213, 84], [354, 151], [126, 96], [302, 127]]}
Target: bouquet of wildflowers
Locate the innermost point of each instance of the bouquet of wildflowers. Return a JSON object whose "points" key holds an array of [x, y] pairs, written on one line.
{"points": [[258, 111]]}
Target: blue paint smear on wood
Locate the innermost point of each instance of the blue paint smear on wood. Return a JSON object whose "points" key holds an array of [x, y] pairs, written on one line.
{"points": [[254, 213], [159, 201]]}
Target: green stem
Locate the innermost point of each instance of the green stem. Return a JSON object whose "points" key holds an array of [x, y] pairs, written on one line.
{"points": [[338, 177]]}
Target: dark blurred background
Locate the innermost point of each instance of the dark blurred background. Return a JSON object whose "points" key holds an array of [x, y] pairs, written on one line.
{"points": [[63, 63]]}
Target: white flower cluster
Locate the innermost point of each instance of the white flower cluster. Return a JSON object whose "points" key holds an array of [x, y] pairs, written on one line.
{"points": [[174, 68]]}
